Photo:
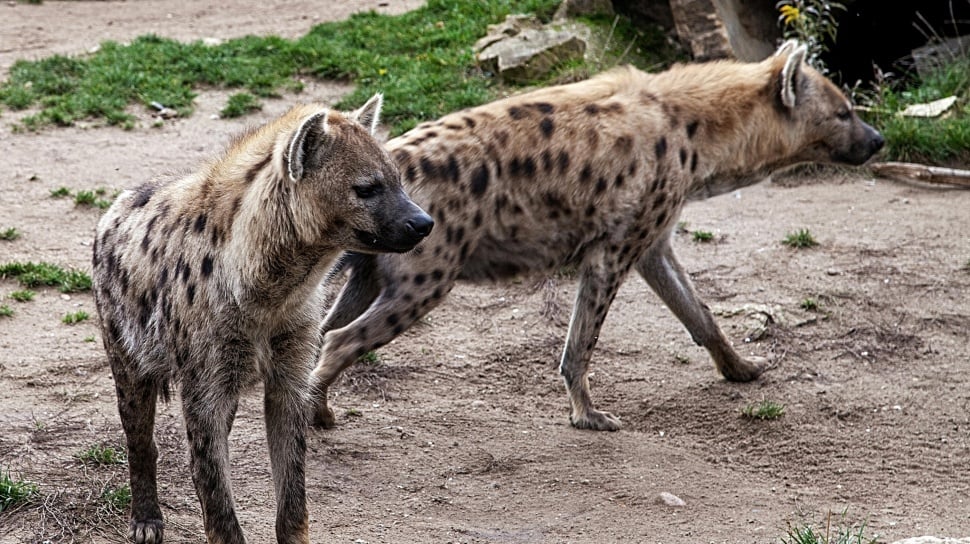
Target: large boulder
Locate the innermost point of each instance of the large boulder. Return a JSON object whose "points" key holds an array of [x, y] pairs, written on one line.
{"points": [[521, 49]]}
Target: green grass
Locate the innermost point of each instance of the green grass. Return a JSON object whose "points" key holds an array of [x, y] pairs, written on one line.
{"points": [[766, 409], [944, 139], [809, 304], [99, 454], [60, 192], [90, 338], [10, 234], [75, 317], [370, 358], [25, 295], [702, 236], [92, 198], [117, 498], [31, 274], [800, 239], [421, 60], [240, 104], [14, 492], [6, 311], [842, 533]]}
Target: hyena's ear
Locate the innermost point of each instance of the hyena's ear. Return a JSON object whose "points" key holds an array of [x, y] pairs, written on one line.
{"points": [[786, 48], [369, 114], [312, 134], [791, 73]]}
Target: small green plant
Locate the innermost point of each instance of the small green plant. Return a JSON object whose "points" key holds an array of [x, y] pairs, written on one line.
{"points": [[800, 239], [813, 23], [766, 409], [92, 199], [118, 499], [353, 412], [370, 358], [702, 236], [76, 317], [31, 274], [25, 295], [842, 533], [6, 311], [9, 234], [14, 492], [809, 304], [240, 104], [60, 192], [89, 338], [99, 454]]}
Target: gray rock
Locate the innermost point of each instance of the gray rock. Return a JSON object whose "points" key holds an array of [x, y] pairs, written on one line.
{"points": [[521, 50], [671, 500]]}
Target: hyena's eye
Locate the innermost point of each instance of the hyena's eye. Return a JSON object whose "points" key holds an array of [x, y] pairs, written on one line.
{"points": [[844, 114], [367, 191]]}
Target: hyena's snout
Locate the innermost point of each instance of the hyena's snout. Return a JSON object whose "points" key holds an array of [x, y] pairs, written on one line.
{"points": [[416, 226], [863, 147], [402, 224]]}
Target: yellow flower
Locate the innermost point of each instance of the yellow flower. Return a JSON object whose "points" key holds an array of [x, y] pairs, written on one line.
{"points": [[790, 13]]}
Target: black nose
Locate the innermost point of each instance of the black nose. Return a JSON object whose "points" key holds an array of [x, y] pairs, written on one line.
{"points": [[878, 142], [420, 225]]}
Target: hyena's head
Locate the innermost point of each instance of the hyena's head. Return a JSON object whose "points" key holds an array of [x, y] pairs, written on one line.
{"points": [[826, 126], [351, 182]]}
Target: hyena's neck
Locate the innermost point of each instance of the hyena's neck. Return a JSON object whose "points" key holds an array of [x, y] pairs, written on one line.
{"points": [[739, 135]]}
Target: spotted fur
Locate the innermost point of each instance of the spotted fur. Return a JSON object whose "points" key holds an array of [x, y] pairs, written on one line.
{"points": [[593, 175], [210, 282]]}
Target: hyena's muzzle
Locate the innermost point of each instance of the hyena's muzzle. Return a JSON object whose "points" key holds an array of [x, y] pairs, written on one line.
{"points": [[400, 224], [864, 142]]}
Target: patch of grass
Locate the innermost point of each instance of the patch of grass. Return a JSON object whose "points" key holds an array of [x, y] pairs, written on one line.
{"points": [[353, 412], [99, 454], [25, 295], [702, 236], [31, 274], [10, 234], [118, 498], [766, 409], [75, 317], [370, 358], [809, 304], [90, 338], [60, 192], [800, 239], [92, 198], [14, 492], [842, 533], [6, 311], [240, 104], [421, 60]]}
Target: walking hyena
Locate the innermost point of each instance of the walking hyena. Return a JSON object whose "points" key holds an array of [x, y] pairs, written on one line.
{"points": [[593, 174], [212, 281]]}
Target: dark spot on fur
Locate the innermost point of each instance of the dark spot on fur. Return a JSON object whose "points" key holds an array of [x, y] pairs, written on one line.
{"points": [[546, 161], [453, 126], [692, 129], [419, 279], [660, 148], [515, 167], [619, 180], [563, 161], [207, 266], [546, 126], [661, 218], [143, 194], [410, 172], [517, 113], [502, 137], [529, 167], [500, 202], [624, 144], [683, 157], [590, 210], [402, 156], [454, 172], [398, 329], [190, 293], [429, 168], [647, 97], [469, 122], [600, 185], [586, 174], [200, 222], [693, 162], [591, 109], [479, 181], [463, 253], [543, 107], [459, 234], [257, 168], [477, 220], [613, 107], [632, 168], [660, 200], [393, 319]]}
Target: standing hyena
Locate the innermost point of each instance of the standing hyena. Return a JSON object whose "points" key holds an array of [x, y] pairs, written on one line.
{"points": [[593, 174], [212, 281]]}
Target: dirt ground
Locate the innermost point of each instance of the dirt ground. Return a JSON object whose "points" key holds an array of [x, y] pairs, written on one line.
{"points": [[460, 433]]}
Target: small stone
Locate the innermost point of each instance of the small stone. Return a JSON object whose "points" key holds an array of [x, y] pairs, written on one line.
{"points": [[833, 272], [65, 297], [671, 500]]}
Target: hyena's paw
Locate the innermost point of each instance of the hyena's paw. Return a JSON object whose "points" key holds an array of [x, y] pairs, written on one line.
{"points": [[744, 370], [322, 417], [146, 531], [596, 421]]}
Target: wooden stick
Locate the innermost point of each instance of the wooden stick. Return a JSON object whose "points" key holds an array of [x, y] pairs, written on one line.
{"points": [[922, 172]]}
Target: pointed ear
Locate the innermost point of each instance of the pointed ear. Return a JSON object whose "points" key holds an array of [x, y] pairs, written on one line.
{"points": [[312, 134], [786, 48], [790, 74], [369, 114]]}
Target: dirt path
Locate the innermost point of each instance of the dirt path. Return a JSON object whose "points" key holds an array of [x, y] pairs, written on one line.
{"points": [[460, 433]]}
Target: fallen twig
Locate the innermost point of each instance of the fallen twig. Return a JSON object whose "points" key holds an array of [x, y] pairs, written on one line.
{"points": [[922, 172]]}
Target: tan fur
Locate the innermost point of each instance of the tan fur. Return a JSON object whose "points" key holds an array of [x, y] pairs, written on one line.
{"points": [[594, 175], [211, 281]]}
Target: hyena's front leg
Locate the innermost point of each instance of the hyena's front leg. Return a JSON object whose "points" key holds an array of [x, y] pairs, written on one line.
{"points": [[659, 267], [209, 409], [136, 406], [599, 281], [286, 422]]}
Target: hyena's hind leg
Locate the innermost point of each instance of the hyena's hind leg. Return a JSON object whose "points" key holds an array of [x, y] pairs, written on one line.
{"points": [[599, 280], [659, 267], [137, 397]]}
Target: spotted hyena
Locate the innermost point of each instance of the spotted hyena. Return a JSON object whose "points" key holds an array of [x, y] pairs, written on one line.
{"points": [[211, 282], [591, 174]]}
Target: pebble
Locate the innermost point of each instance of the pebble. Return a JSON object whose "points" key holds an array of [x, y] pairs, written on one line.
{"points": [[671, 500]]}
